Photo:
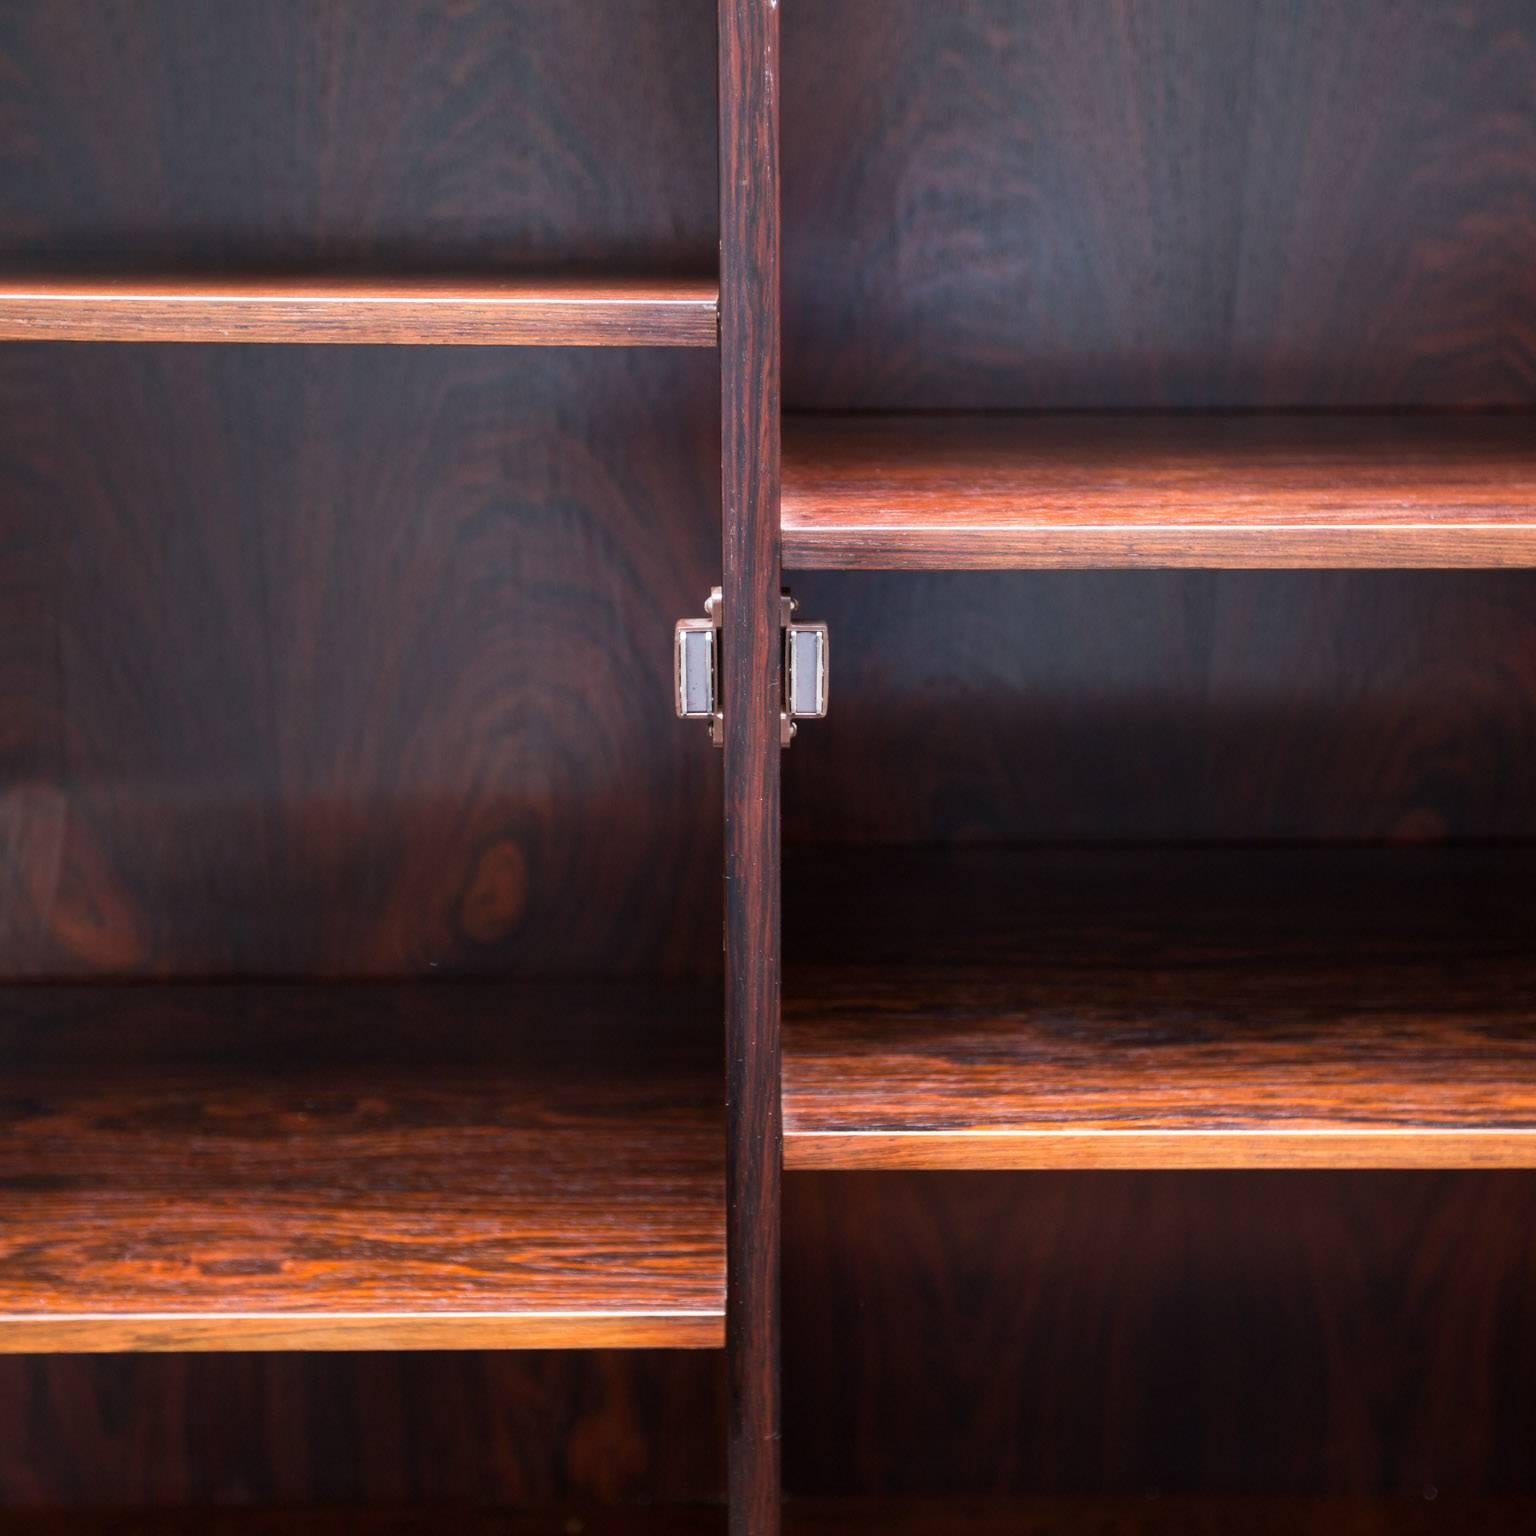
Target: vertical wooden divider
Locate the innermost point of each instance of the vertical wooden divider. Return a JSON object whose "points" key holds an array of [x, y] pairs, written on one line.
{"points": [[749, 431]]}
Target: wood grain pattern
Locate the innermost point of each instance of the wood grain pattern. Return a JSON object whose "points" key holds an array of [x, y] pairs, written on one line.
{"points": [[1188, 205], [1270, 1008], [751, 695], [960, 493], [1100, 203], [330, 662], [400, 1168], [1251, 1335], [512, 1328], [400, 312], [633, 1520], [516, 139]]}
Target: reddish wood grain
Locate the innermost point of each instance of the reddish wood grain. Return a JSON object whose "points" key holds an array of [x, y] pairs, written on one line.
{"points": [[1100, 204], [957, 493], [316, 661], [1295, 1335], [419, 1429], [1161, 706], [1271, 1008], [398, 311], [751, 689], [396, 1168]]}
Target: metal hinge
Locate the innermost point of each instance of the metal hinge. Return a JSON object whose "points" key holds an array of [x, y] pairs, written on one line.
{"points": [[803, 675]]}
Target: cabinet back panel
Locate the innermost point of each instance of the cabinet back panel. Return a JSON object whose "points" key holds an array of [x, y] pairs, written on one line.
{"points": [[1129, 1334], [514, 1428], [1158, 205], [342, 662], [993, 204], [416, 134], [1160, 706]]}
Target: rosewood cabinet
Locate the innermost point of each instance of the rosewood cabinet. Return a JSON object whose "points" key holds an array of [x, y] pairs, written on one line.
{"points": [[1113, 1105]]}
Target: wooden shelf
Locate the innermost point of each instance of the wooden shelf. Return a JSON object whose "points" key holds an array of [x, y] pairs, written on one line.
{"points": [[360, 1167], [1234, 1009], [960, 493], [393, 311]]}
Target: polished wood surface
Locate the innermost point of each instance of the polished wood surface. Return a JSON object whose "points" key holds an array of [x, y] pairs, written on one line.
{"points": [[1163, 1009], [960, 493], [751, 697], [316, 663], [406, 1168], [323, 662], [1187, 204], [423, 312], [1274, 1334], [1090, 204]]}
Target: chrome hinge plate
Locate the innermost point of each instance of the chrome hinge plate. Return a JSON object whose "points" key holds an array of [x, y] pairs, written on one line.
{"points": [[696, 668], [804, 671]]}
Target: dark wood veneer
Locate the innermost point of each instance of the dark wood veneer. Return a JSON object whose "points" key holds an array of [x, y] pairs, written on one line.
{"points": [[749, 455], [501, 137], [1090, 204], [1282, 1008], [321, 663], [334, 666], [1164, 706], [955, 493], [400, 311], [458, 1429], [409, 1167], [332, 662], [1275, 1334]]}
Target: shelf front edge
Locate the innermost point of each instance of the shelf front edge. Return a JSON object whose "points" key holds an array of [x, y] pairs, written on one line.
{"points": [[1383, 1148], [153, 1333], [810, 546], [387, 313]]}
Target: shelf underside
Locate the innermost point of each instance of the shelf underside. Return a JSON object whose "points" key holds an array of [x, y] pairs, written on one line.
{"points": [[1232, 491], [359, 1167], [619, 312], [1149, 1009]]}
